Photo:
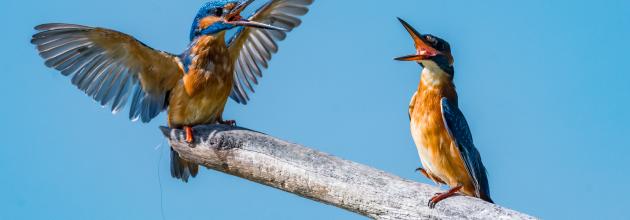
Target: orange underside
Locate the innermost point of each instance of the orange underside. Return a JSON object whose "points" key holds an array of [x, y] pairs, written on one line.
{"points": [[202, 94], [442, 157]]}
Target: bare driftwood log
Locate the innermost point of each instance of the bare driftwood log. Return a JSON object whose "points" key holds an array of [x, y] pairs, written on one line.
{"points": [[322, 177]]}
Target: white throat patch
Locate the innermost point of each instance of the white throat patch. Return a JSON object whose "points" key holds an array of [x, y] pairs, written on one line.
{"points": [[432, 74]]}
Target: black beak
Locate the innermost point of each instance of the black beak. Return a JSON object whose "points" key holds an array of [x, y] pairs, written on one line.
{"points": [[423, 49], [234, 18]]}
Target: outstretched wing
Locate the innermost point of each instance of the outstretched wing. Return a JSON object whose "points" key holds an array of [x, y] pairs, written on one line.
{"points": [[110, 66], [252, 48], [458, 129]]}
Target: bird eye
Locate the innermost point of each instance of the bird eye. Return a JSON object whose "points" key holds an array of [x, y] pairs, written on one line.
{"points": [[218, 12], [431, 39]]}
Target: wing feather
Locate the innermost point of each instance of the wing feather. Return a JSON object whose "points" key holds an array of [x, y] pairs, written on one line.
{"points": [[253, 48], [109, 66], [458, 129]]}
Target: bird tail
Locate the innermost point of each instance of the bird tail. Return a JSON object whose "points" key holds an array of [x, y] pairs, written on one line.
{"points": [[486, 197], [182, 169]]}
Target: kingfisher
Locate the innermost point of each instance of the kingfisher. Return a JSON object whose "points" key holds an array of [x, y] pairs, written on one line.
{"points": [[193, 87], [438, 127]]}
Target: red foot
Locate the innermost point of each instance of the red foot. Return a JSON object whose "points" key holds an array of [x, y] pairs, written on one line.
{"points": [[189, 134], [441, 196]]}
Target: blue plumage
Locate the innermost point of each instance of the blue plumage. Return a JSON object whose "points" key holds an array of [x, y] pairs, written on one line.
{"points": [[207, 9], [457, 127]]}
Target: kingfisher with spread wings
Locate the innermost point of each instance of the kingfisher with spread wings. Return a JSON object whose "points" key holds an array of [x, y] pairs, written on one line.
{"points": [[438, 127], [193, 87]]}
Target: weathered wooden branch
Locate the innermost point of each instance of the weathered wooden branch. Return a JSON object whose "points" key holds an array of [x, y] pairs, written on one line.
{"points": [[323, 177]]}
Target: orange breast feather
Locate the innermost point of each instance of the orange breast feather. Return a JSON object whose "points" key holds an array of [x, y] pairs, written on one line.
{"points": [[438, 153], [201, 97]]}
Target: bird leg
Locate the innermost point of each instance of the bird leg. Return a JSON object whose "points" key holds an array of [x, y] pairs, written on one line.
{"points": [[429, 176], [441, 196], [189, 134], [227, 122], [424, 172]]}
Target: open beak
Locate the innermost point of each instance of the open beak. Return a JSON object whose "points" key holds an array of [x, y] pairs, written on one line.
{"points": [[423, 50], [235, 18]]}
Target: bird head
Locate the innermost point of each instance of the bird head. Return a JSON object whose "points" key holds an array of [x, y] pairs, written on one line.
{"points": [[431, 51], [221, 15]]}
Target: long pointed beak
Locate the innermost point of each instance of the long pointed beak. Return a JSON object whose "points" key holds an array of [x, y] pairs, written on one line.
{"points": [[411, 58], [245, 22], [423, 50], [241, 7], [234, 18]]}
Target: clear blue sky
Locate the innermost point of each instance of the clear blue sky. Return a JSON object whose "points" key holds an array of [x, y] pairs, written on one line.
{"points": [[544, 85]]}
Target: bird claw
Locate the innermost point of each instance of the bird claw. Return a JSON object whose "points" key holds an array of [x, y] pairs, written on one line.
{"points": [[441, 196], [431, 203], [435, 199]]}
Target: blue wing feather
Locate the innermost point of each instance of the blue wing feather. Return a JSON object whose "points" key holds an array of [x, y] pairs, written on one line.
{"points": [[457, 127]]}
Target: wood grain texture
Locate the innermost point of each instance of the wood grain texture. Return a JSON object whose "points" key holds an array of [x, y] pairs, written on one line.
{"points": [[322, 177]]}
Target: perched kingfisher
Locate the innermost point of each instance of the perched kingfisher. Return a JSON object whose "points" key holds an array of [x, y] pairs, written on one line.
{"points": [[193, 87], [438, 127]]}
